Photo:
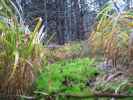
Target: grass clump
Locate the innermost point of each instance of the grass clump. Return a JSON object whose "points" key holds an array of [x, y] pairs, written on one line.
{"points": [[20, 53], [112, 36], [66, 77]]}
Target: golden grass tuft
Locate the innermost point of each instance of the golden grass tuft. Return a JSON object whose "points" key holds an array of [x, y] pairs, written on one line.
{"points": [[113, 37]]}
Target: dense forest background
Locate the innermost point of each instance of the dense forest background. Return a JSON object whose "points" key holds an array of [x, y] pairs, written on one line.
{"points": [[65, 20]]}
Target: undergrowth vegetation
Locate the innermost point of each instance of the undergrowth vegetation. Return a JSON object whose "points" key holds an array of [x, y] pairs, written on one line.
{"points": [[56, 72], [112, 39], [69, 76], [55, 52]]}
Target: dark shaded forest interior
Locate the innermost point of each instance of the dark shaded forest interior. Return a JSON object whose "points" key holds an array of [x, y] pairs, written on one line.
{"points": [[68, 20]]}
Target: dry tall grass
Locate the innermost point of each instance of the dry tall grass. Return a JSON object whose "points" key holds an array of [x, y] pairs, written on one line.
{"points": [[113, 37], [21, 56]]}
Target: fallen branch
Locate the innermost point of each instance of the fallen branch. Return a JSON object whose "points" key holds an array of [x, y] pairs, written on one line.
{"points": [[78, 96], [91, 95], [103, 95]]}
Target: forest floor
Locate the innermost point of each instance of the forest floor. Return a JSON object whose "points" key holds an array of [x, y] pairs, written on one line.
{"points": [[109, 80]]}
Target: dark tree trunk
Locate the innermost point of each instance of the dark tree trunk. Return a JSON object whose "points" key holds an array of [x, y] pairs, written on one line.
{"points": [[60, 21]]}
